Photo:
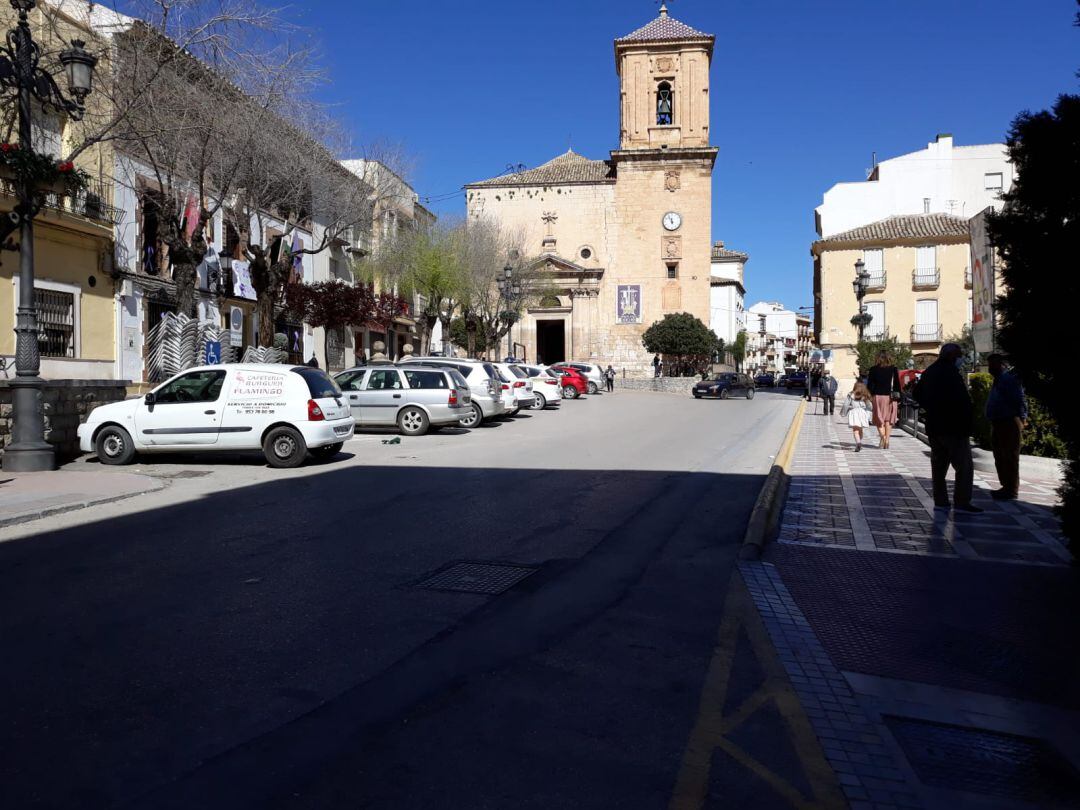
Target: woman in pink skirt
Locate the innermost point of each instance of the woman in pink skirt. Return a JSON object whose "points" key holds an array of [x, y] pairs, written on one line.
{"points": [[883, 380]]}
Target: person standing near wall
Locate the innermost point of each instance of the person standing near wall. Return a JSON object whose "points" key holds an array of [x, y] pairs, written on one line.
{"points": [[943, 394], [609, 378], [1007, 411], [827, 391]]}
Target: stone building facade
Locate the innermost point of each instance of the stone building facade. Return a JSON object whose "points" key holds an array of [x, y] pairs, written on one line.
{"points": [[624, 240]]}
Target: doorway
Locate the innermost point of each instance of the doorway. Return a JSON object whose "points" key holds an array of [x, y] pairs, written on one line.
{"points": [[550, 341]]}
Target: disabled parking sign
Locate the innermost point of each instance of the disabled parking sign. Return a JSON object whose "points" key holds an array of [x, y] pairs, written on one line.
{"points": [[212, 356]]}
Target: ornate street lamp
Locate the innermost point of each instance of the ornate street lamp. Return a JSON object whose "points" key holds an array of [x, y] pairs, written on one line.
{"points": [[22, 77], [859, 285], [509, 290]]}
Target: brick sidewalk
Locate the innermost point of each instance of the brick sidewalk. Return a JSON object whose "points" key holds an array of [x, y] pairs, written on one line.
{"points": [[932, 651]]}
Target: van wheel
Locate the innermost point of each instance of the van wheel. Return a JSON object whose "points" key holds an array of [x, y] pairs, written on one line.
{"points": [[749, 393], [413, 421], [113, 445], [592, 388], [473, 419], [284, 447], [539, 402], [569, 392], [327, 452], [724, 394]]}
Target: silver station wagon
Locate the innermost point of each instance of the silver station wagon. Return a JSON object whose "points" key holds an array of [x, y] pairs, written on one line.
{"points": [[415, 398]]}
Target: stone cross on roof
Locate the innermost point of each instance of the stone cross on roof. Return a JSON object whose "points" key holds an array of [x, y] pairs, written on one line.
{"points": [[549, 217]]}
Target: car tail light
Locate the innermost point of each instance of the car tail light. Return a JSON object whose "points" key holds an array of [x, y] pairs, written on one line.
{"points": [[453, 397], [519, 384], [314, 412], [551, 382], [505, 387]]}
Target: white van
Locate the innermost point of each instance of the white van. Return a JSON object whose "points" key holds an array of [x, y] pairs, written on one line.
{"points": [[287, 411]]}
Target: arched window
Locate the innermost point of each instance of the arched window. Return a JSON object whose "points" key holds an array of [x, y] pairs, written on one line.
{"points": [[665, 104]]}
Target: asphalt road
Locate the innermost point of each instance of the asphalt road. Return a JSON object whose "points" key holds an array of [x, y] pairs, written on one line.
{"points": [[255, 638]]}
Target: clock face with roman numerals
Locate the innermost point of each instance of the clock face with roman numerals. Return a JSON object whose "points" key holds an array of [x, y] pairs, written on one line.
{"points": [[672, 220]]}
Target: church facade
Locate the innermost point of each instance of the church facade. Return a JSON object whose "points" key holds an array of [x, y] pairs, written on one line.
{"points": [[626, 240]]}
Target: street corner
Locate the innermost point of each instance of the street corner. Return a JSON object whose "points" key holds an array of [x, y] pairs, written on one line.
{"points": [[26, 497], [752, 743]]}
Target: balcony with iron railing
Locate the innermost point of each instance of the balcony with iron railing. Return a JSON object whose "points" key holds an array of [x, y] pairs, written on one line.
{"points": [[89, 203], [925, 278], [926, 333], [875, 282]]}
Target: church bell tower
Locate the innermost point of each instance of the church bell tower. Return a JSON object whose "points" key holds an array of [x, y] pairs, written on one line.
{"points": [[663, 72]]}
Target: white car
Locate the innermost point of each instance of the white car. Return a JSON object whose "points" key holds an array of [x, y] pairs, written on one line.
{"points": [[487, 398], [546, 388], [594, 375], [517, 385], [286, 411]]}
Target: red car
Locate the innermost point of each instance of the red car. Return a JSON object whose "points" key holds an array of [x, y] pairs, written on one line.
{"points": [[574, 383]]}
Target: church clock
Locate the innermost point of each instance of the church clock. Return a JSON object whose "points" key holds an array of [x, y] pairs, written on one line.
{"points": [[672, 220]]}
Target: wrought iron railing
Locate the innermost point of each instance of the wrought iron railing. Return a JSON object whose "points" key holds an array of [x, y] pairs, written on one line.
{"points": [[876, 282], [925, 278], [926, 333]]}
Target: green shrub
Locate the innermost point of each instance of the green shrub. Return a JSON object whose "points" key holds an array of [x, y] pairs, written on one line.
{"points": [[1041, 436]]}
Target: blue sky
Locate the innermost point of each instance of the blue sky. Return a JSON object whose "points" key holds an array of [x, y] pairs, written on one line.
{"points": [[802, 92]]}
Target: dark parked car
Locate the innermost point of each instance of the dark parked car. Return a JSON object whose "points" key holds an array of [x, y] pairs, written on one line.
{"points": [[725, 385], [764, 381], [796, 380]]}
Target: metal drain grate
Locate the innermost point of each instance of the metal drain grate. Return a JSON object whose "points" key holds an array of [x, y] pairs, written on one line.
{"points": [[974, 760], [471, 576]]}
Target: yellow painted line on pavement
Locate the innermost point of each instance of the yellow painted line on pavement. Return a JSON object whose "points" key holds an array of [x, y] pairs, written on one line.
{"points": [[712, 727]]}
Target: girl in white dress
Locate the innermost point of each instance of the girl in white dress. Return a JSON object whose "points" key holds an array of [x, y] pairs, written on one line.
{"points": [[859, 407]]}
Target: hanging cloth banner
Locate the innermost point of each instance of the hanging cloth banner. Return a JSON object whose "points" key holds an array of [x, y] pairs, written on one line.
{"points": [[241, 274]]}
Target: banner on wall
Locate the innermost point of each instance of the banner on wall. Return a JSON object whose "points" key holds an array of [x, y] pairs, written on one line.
{"points": [[241, 274], [628, 303], [982, 284]]}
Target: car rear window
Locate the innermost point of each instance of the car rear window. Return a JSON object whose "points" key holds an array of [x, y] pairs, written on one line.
{"points": [[494, 373], [459, 381], [533, 372], [426, 379], [318, 382], [518, 372]]}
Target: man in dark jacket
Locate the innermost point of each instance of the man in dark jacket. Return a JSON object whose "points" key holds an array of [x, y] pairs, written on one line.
{"points": [[943, 394], [827, 390]]}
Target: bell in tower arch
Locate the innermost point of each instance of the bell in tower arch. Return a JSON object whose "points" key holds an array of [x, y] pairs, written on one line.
{"points": [[664, 104]]}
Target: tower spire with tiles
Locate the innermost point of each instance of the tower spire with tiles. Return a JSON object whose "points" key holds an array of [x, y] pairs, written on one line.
{"points": [[663, 72]]}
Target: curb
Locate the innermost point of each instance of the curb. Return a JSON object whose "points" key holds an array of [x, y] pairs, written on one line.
{"points": [[51, 511], [767, 507]]}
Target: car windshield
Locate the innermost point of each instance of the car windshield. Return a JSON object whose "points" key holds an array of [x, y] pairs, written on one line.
{"points": [[318, 382], [723, 377]]}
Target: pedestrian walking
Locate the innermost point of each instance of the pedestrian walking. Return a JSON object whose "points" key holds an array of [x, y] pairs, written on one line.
{"points": [[657, 365], [827, 391], [806, 389], [942, 393], [1007, 410], [883, 381], [609, 378], [858, 407]]}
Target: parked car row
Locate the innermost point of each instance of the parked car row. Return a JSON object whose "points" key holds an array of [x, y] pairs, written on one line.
{"points": [[725, 385], [291, 412]]}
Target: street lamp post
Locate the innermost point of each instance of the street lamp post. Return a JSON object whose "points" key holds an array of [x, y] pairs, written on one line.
{"points": [[22, 77], [860, 284], [509, 290]]}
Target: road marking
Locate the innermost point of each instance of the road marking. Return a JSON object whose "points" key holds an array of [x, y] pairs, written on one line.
{"points": [[712, 727]]}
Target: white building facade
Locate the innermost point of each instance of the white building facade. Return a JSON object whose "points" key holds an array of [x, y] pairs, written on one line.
{"points": [[941, 179], [727, 291]]}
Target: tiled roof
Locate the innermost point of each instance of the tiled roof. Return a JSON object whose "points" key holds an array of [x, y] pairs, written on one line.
{"points": [[665, 28], [566, 168], [905, 226], [721, 252]]}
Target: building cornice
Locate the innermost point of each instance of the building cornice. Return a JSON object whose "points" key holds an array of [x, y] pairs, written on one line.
{"points": [[662, 156], [826, 245]]}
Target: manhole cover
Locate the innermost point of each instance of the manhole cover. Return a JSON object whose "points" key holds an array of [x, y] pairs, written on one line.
{"points": [[978, 761], [475, 577]]}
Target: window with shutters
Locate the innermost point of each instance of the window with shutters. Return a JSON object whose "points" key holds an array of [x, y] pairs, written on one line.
{"points": [[927, 328], [876, 328], [874, 260], [56, 322], [926, 270]]}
